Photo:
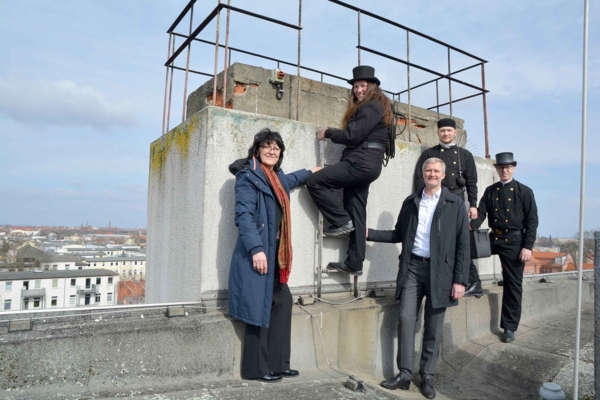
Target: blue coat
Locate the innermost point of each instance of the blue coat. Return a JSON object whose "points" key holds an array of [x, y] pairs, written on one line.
{"points": [[250, 293]]}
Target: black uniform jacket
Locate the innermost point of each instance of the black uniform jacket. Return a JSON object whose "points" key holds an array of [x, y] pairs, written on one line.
{"points": [[510, 208], [365, 125], [450, 158], [449, 244]]}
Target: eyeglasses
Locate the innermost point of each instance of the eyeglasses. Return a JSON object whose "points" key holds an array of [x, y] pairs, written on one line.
{"points": [[503, 167], [273, 149]]}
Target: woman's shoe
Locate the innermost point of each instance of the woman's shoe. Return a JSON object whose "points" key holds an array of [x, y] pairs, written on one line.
{"points": [[290, 373], [270, 378]]}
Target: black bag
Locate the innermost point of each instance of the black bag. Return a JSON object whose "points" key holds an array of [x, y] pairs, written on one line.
{"points": [[480, 243]]}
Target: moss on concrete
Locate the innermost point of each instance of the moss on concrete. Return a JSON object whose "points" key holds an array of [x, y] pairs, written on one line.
{"points": [[178, 139]]}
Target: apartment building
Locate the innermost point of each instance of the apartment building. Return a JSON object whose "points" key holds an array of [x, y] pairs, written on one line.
{"points": [[58, 289]]}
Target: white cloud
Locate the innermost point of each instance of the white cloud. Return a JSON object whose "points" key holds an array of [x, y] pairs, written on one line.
{"points": [[62, 103]]}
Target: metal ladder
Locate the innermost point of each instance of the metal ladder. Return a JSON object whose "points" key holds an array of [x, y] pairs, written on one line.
{"points": [[320, 267]]}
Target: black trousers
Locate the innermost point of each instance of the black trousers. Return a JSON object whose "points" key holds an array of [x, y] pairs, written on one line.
{"points": [[509, 249], [417, 286], [473, 273], [268, 350], [355, 177]]}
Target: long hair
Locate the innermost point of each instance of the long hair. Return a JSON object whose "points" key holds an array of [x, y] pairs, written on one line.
{"points": [[373, 93], [267, 137]]}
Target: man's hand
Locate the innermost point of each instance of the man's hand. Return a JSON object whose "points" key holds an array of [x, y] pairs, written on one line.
{"points": [[525, 255], [458, 290], [473, 213], [367, 235], [315, 169], [321, 133], [259, 262]]}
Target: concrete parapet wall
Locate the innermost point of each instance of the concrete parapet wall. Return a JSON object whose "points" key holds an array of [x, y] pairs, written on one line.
{"points": [[248, 89], [191, 232], [117, 353]]}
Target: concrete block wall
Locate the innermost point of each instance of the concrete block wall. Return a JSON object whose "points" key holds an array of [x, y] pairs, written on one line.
{"points": [[248, 89], [191, 233], [116, 354]]}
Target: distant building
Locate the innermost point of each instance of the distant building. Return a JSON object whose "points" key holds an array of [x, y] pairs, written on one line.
{"points": [[28, 257], [547, 262], [128, 268], [58, 289]]}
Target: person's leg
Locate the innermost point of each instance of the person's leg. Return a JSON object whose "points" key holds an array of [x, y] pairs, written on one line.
{"points": [[473, 273], [512, 271], [280, 329], [355, 203], [254, 359], [320, 186], [432, 336], [410, 302]]}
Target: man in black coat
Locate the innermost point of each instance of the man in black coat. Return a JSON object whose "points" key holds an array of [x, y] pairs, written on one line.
{"points": [[512, 214], [461, 177], [434, 232]]}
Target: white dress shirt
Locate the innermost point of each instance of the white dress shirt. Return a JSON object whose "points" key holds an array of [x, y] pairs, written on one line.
{"points": [[427, 207], [507, 182]]}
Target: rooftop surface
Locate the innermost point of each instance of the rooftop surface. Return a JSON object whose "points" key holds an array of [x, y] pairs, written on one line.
{"points": [[141, 354], [542, 352]]}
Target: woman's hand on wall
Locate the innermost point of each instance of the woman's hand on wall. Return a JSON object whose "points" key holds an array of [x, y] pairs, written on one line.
{"points": [[259, 262]]}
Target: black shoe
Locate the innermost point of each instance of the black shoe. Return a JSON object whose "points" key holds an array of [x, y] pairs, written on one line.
{"points": [[427, 388], [474, 289], [340, 266], [400, 381], [290, 373], [508, 336], [270, 378], [342, 230]]}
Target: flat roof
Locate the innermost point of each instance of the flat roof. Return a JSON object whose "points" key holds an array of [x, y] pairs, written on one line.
{"points": [[76, 273], [104, 259]]}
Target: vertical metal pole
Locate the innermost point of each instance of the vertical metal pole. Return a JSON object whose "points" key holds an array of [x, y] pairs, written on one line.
{"points": [[187, 66], [485, 122], [166, 86], [437, 97], [359, 37], [170, 90], [229, 59], [408, 82], [597, 310], [226, 57], [581, 202], [320, 232], [299, 48], [215, 86], [449, 83]]}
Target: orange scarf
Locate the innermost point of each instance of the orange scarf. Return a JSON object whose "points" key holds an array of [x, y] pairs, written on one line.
{"points": [[284, 253]]}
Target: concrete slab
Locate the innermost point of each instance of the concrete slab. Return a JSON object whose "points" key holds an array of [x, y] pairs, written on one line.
{"points": [[552, 339], [502, 371], [587, 324]]}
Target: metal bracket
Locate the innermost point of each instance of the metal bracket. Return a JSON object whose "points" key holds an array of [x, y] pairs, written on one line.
{"points": [[177, 311], [20, 325]]}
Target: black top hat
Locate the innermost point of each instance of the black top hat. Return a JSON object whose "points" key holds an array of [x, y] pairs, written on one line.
{"points": [[364, 73], [505, 159]]}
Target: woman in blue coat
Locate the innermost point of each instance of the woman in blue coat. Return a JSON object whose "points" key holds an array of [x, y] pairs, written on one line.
{"points": [[262, 258]]}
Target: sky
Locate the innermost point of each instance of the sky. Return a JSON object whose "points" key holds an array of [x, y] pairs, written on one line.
{"points": [[82, 86]]}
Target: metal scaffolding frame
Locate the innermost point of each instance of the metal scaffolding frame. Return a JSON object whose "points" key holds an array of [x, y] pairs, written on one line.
{"points": [[192, 36]]}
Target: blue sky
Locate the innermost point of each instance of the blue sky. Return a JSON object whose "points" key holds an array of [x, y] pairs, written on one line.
{"points": [[82, 84]]}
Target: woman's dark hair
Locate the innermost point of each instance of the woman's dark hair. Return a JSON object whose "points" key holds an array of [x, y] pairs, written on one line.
{"points": [[266, 137], [373, 93]]}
